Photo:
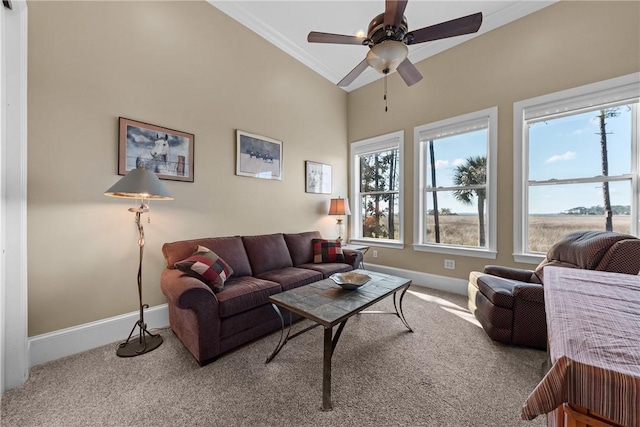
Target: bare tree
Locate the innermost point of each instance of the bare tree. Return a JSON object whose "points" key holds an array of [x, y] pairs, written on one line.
{"points": [[605, 114], [436, 218]]}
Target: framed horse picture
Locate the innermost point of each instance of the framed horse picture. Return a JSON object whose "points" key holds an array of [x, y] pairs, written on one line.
{"points": [[258, 156], [167, 152]]}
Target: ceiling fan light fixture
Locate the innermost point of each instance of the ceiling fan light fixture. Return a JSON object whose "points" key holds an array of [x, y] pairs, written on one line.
{"points": [[386, 56]]}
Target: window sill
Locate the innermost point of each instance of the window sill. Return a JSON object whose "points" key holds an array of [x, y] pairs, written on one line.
{"points": [[528, 258], [451, 250], [393, 244]]}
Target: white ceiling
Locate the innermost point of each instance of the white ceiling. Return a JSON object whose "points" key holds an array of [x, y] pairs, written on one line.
{"points": [[287, 23]]}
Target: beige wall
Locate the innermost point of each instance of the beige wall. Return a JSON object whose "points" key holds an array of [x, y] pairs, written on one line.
{"points": [[189, 67], [184, 66], [565, 45]]}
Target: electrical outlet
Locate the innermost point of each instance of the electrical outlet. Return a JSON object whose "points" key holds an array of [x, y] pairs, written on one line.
{"points": [[449, 264], [375, 254]]}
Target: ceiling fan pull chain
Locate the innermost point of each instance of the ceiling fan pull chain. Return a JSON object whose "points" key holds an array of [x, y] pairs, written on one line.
{"points": [[385, 92]]}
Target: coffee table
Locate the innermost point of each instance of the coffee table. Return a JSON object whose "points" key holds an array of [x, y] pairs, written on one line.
{"points": [[327, 305]]}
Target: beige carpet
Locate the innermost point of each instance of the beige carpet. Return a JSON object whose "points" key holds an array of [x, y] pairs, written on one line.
{"points": [[447, 373]]}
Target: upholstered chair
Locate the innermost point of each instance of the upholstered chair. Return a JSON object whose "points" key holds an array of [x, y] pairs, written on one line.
{"points": [[509, 302]]}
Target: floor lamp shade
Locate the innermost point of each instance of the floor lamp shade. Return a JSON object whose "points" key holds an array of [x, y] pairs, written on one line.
{"points": [[139, 183], [144, 185]]}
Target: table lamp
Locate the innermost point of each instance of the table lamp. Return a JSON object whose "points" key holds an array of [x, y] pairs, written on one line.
{"points": [[144, 185], [339, 207]]}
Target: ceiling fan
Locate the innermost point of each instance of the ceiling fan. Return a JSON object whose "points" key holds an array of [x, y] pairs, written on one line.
{"points": [[388, 37]]}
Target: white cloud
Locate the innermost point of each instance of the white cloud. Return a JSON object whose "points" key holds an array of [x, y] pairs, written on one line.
{"points": [[569, 155], [442, 164], [458, 162]]}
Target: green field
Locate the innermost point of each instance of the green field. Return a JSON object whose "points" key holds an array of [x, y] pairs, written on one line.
{"points": [[544, 230]]}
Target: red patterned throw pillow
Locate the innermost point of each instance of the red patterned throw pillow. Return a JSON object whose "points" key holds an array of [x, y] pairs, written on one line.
{"points": [[206, 266], [327, 251]]}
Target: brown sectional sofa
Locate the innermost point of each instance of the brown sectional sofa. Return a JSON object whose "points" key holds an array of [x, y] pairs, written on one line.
{"points": [[209, 323]]}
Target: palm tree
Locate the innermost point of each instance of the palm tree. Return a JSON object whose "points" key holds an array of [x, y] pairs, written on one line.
{"points": [[472, 172]]}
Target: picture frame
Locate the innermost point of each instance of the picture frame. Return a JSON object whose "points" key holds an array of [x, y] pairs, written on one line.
{"points": [[167, 152], [317, 177], [258, 156]]}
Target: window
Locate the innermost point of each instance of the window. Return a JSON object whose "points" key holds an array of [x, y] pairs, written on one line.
{"points": [[576, 164], [376, 184], [455, 200]]}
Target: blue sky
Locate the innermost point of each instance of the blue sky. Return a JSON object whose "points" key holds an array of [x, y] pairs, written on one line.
{"points": [[562, 148]]}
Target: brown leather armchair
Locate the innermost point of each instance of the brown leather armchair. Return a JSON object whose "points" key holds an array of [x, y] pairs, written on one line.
{"points": [[509, 302]]}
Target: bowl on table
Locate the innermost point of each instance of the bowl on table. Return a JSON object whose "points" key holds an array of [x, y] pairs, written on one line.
{"points": [[350, 280]]}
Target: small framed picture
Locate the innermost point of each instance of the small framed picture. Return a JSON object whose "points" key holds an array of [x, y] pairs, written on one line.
{"points": [[258, 156], [318, 177], [167, 152]]}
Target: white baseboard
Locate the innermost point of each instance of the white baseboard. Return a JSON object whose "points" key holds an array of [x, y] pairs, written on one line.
{"points": [[65, 342], [433, 281]]}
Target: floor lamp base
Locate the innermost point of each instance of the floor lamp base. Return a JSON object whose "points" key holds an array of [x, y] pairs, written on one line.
{"points": [[136, 348], [142, 344]]}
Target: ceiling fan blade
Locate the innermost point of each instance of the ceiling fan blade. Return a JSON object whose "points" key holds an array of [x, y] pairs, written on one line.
{"points": [[394, 11], [349, 78], [456, 27], [409, 72], [316, 37]]}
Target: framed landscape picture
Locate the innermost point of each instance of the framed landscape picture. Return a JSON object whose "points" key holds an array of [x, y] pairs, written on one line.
{"points": [[258, 156], [167, 152], [318, 177]]}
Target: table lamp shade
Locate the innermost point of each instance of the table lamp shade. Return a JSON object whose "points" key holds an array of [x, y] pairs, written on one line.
{"points": [[339, 206], [139, 183]]}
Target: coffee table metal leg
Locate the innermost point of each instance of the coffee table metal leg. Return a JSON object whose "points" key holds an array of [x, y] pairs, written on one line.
{"points": [[283, 338], [330, 342], [326, 369], [398, 308]]}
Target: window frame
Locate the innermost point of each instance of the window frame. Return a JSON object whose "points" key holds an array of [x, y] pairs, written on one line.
{"points": [[558, 104], [457, 125], [372, 145]]}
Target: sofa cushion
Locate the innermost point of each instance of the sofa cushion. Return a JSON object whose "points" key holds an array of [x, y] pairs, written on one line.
{"points": [[244, 293], [327, 251], [301, 247], [229, 249], [328, 268], [207, 266], [291, 277], [267, 252]]}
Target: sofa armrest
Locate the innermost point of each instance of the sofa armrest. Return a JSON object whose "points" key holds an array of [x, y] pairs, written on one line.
{"points": [[353, 258], [187, 292], [194, 314], [529, 291], [518, 274]]}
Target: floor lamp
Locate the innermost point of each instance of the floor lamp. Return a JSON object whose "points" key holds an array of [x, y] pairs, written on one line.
{"points": [[144, 185]]}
